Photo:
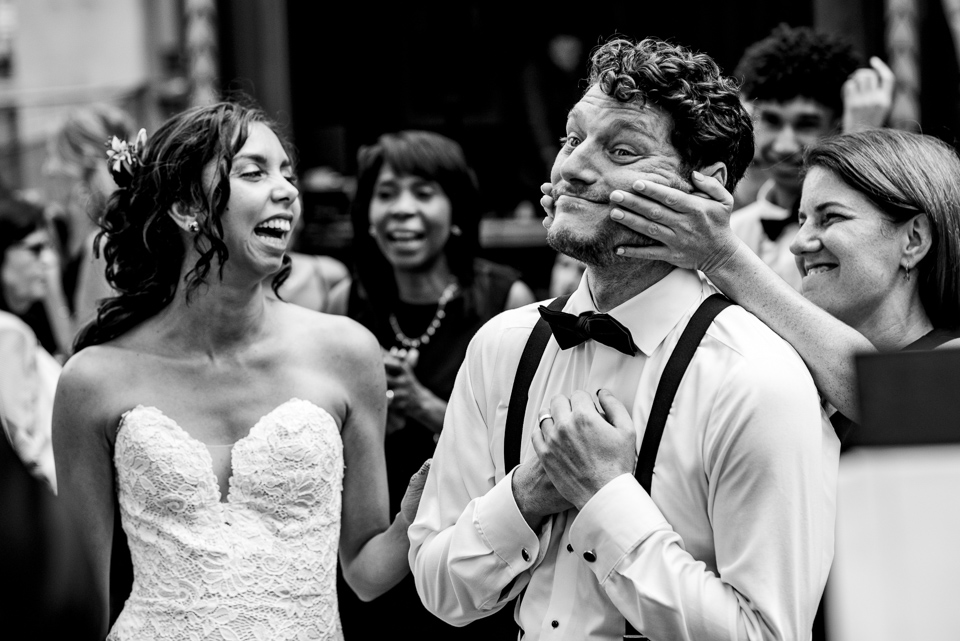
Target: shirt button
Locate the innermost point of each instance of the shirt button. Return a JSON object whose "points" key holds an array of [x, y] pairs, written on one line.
{"points": [[525, 554], [555, 624], [569, 548], [589, 556]]}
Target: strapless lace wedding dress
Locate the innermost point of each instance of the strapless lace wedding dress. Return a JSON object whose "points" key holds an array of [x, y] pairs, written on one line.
{"points": [[261, 565]]}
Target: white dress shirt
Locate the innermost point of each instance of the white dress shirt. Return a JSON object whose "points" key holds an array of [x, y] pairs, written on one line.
{"points": [[746, 223], [737, 540]]}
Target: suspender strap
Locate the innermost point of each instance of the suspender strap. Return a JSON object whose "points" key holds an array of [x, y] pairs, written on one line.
{"points": [[513, 430], [669, 383], [529, 362], [666, 391]]}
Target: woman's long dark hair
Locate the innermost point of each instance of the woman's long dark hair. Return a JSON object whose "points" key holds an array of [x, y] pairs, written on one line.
{"points": [[905, 174], [143, 246], [432, 157]]}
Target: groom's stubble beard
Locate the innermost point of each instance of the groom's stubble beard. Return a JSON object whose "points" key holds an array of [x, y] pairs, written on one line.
{"points": [[599, 248]]}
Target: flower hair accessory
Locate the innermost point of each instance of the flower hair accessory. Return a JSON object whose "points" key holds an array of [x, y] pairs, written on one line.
{"points": [[124, 158]]}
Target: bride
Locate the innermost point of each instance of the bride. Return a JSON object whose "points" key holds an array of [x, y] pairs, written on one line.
{"points": [[239, 439]]}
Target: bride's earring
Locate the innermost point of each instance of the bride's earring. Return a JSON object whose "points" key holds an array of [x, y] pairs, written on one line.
{"points": [[185, 217]]}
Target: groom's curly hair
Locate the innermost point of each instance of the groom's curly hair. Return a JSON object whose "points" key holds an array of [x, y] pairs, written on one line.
{"points": [[709, 121]]}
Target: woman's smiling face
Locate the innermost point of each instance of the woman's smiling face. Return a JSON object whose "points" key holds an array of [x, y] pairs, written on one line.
{"points": [[264, 206], [411, 219], [847, 250]]}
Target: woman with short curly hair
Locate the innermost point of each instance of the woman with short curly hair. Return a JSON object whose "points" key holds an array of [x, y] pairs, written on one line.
{"points": [[421, 289]]}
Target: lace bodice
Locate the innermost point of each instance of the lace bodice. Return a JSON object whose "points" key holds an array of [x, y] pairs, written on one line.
{"points": [[261, 565]]}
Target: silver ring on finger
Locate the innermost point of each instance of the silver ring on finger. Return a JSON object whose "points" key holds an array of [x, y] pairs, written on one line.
{"points": [[544, 416]]}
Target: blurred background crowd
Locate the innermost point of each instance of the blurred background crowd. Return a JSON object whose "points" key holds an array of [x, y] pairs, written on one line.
{"points": [[495, 82]]}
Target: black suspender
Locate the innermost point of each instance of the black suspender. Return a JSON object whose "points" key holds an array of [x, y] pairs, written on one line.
{"points": [[526, 368], [670, 381], [662, 401]]}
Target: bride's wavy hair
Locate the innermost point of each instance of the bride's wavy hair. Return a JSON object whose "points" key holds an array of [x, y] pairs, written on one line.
{"points": [[143, 247]]}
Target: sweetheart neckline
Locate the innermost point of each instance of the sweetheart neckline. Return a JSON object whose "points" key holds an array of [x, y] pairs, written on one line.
{"points": [[204, 448], [293, 399]]}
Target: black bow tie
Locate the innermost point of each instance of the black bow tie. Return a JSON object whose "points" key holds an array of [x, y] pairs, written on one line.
{"points": [[774, 228], [570, 330]]}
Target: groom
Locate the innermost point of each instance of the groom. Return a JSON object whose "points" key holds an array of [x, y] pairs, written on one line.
{"points": [[735, 538]]}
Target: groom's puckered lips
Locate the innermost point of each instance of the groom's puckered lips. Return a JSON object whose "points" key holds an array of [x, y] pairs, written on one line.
{"points": [[582, 194]]}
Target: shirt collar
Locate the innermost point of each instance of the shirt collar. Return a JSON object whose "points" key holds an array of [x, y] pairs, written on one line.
{"points": [[770, 210], [651, 314]]}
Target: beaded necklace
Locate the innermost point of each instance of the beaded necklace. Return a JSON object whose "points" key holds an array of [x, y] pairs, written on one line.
{"points": [[414, 343]]}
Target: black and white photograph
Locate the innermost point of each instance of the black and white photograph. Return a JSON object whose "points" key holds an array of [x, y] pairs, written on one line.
{"points": [[623, 321]]}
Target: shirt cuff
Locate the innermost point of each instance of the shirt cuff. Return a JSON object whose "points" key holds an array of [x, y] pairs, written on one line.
{"points": [[501, 525], [613, 523]]}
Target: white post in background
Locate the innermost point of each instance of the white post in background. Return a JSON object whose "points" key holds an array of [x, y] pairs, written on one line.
{"points": [[201, 46], [903, 49], [951, 8]]}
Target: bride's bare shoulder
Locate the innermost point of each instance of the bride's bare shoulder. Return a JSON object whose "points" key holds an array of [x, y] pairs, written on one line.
{"points": [[99, 363], [108, 370], [328, 333], [93, 388]]}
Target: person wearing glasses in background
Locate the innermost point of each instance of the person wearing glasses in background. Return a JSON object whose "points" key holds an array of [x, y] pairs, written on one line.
{"points": [[28, 371]]}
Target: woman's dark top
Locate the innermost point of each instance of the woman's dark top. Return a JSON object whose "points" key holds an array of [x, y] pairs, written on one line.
{"points": [[45, 570], [70, 277], [408, 448], [931, 340]]}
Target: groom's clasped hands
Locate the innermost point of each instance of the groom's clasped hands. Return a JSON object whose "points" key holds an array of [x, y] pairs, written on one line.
{"points": [[580, 449]]}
